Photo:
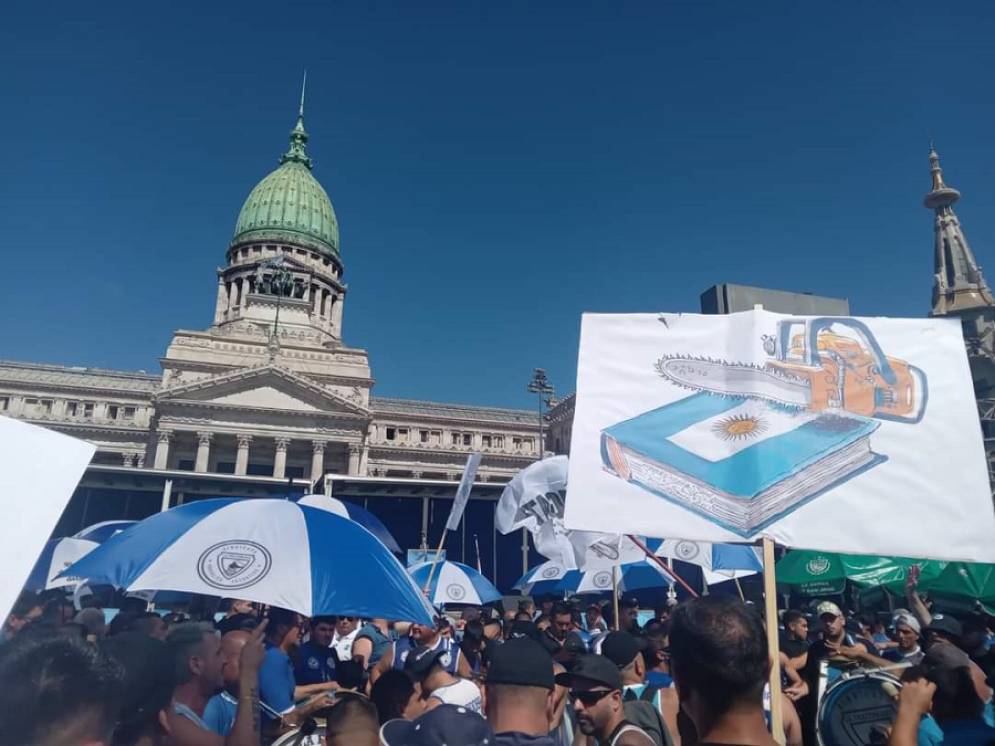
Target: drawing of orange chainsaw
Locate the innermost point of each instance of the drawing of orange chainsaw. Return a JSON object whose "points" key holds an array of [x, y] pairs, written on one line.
{"points": [[815, 368]]}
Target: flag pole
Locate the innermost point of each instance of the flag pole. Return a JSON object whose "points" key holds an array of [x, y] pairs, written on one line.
{"points": [[476, 544], [773, 651], [665, 565], [615, 609], [435, 561], [739, 587]]}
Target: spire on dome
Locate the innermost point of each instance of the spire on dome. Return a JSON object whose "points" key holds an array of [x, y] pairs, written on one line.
{"points": [[297, 152], [958, 283]]}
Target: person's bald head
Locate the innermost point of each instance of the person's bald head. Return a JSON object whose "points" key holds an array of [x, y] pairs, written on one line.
{"points": [[231, 650]]}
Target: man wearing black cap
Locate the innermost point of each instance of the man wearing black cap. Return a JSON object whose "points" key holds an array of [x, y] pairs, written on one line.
{"points": [[519, 694], [643, 705], [628, 614], [430, 667], [446, 725], [596, 690]]}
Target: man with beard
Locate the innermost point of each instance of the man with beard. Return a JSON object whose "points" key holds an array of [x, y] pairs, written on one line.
{"points": [[596, 690]]}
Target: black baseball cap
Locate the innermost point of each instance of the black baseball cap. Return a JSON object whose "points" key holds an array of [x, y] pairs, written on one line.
{"points": [[422, 659], [521, 662], [621, 648], [442, 725], [522, 628], [595, 668], [629, 602], [574, 643], [945, 625]]}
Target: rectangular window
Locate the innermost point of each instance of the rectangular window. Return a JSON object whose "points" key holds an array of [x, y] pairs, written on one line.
{"points": [[30, 406], [467, 439], [402, 434], [72, 408], [436, 438], [391, 433], [4, 403], [485, 441], [423, 436], [456, 439], [185, 465], [528, 444], [112, 411], [516, 443], [499, 441], [88, 409], [129, 413]]}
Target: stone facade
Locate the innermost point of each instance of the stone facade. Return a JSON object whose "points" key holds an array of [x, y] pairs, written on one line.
{"points": [[269, 388]]}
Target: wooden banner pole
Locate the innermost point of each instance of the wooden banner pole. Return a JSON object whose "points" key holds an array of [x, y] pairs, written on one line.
{"points": [[435, 561], [773, 648], [665, 565], [615, 609]]}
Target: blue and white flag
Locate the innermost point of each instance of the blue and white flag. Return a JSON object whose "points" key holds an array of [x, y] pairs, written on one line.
{"points": [[273, 552], [463, 491]]}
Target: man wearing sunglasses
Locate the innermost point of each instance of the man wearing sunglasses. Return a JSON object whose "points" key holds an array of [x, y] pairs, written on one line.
{"points": [[596, 691], [346, 629]]}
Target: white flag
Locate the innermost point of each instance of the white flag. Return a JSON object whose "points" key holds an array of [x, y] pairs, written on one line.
{"points": [[534, 500], [463, 492]]}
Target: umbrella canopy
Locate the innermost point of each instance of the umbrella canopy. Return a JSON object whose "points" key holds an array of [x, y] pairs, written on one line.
{"points": [[57, 555], [728, 557], [714, 577], [967, 580], [101, 532], [632, 576], [363, 517], [824, 573], [455, 583], [273, 552]]}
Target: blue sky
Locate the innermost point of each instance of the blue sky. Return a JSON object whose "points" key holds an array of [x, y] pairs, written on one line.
{"points": [[497, 168]]}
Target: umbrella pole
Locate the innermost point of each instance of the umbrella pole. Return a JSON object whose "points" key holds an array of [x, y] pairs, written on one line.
{"points": [[665, 565], [615, 595], [435, 561], [739, 587], [773, 652]]}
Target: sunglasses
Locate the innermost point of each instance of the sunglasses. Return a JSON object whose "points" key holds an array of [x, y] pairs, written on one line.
{"points": [[590, 697]]}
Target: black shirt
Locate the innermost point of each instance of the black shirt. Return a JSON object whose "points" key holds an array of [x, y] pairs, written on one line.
{"points": [[793, 648]]}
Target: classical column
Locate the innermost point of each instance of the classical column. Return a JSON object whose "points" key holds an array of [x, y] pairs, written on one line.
{"points": [[318, 460], [242, 456], [126, 458], [162, 448], [354, 452], [364, 459], [222, 304], [337, 315], [280, 462], [203, 451], [140, 461]]}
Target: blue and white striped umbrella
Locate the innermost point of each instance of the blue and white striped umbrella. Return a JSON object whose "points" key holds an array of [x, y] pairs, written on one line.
{"points": [[273, 552], [716, 557], [101, 532], [57, 555], [632, 576], [455, 583], [363, 517]]}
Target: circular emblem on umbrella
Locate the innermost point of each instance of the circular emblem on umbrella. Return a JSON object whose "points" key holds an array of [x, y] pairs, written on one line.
{"points": [[818, 565], [602, 580], [550, 572], [232, 565], [455, 591], [686, 550]]}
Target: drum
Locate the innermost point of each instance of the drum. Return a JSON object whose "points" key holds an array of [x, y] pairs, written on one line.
{"points": [[853, 705], [296, 738]]}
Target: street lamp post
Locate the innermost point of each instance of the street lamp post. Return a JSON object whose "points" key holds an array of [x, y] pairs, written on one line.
{"points": [[541, 386]]}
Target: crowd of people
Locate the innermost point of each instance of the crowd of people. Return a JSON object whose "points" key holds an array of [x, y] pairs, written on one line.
{"points": [[695, 674]]}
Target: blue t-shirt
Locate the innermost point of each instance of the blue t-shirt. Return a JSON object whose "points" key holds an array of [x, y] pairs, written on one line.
{"points": [[219, 715], [405, 645], [276, 680], [659, 679], [967, 733], [929, 732], [315, 664]]}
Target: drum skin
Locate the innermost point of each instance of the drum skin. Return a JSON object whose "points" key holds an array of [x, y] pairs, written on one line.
{"points": [[853, 705], [290, 738]]}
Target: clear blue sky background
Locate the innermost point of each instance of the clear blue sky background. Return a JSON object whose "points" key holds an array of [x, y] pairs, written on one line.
{"points": [[497, 168]]}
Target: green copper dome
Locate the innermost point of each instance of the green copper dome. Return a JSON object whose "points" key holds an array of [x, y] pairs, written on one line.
{"points": [[289, 204]]}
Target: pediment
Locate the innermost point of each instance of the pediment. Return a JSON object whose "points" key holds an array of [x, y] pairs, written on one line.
{"points": [[267, 387]]}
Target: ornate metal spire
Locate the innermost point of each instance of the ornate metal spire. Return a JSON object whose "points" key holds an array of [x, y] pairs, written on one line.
{"points": [[958, 284], [298, 136]]}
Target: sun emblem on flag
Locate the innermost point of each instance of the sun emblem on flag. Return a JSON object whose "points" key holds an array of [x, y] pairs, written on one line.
{"points": [[740, 427]]}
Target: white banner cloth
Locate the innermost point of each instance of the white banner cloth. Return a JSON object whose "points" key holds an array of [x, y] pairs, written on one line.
{"points": [[832, 433]]}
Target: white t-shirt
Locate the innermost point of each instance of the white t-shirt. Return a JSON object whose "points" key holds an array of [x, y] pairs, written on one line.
{"points": [[342, 645], [463, 693]]}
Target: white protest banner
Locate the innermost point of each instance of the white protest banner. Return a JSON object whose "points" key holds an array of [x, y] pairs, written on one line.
{"points": [[833, 433], [534, 499], [463, 492], [39, 469]]}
